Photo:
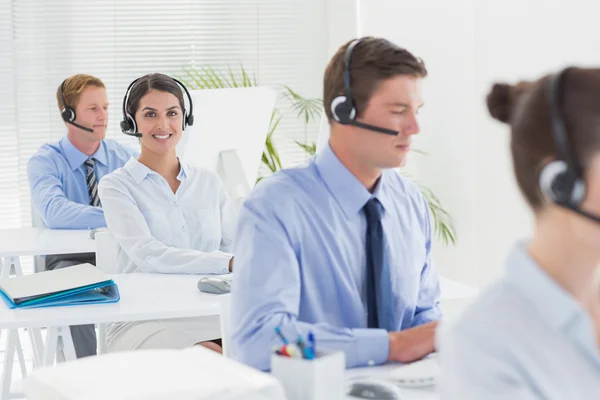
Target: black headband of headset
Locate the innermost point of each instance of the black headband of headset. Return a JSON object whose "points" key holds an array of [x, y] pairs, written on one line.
{"points": [[189, 115], [62, 94], [347, 77], [559, 129]]}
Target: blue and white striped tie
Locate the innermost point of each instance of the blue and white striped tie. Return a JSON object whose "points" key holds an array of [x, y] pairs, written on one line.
{"points": [[92, 183]]}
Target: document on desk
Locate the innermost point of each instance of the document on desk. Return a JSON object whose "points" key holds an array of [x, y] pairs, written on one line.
{"points": [[421, 373], [76, 285]]}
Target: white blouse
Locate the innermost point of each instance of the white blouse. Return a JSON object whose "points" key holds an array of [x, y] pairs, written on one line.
{"points": [[525, 338], [190, 231]]}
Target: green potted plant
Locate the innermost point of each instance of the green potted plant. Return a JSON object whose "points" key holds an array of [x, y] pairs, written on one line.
{"points": [[308, 110]]}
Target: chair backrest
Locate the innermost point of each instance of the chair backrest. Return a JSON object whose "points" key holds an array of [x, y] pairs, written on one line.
{"points": [[107, 252], [39, 262], [323, 137], [226, 324]]}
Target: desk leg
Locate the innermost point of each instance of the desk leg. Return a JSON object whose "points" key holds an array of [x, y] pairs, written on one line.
{"points": [[9, 355], [59, 345], [20, 355], [11, 266], [37, 343], [66, 343], [50, 347], [13, 345], [102, 339], [5, 268]]}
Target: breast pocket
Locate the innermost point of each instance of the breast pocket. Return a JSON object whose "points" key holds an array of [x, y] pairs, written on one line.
{"points": [[406, 266], [208, 227]]}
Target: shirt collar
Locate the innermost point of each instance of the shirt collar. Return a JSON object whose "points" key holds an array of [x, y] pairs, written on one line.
{"points": [[554, 304], [75, 157], [139, 171], [347, 190]]}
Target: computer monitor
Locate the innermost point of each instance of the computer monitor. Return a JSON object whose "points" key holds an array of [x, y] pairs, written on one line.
{"points": [[229, 133]]}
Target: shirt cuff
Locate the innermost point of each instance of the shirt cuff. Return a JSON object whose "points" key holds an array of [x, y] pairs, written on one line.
{"points": [[372, 347], [224, 266], [434, 314]]}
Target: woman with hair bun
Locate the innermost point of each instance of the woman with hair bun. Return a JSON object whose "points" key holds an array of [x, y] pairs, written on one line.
{"points": [[535, 333]]}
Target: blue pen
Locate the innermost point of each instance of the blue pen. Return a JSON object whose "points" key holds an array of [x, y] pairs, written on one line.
{"points": [[278, 332], [311, 345]]}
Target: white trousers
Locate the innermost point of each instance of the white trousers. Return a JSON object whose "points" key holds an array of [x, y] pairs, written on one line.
{"points": [[176, 333]]}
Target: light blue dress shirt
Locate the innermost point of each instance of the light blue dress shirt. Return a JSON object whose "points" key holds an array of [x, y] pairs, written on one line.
{"points": [[524, 338], [59, 192], [301, 264]]}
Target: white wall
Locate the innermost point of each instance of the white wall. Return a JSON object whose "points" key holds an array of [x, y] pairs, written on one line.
{"points": [[342, 24], [467, 45]]}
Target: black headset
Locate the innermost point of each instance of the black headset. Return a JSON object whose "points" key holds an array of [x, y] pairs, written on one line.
{"points": [[128, 124], [68, 113], [562, 180], [342, 107]]}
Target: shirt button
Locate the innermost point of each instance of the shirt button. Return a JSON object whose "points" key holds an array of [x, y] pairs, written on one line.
{"points": [[183, 228], [175, 203]]}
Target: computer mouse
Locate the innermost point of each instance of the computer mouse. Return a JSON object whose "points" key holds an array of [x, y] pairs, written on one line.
{"points": [[214, 285], [369, 388]]}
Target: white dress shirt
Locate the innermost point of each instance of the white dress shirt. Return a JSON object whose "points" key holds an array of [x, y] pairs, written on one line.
{"points": [[187, 232], [524, 338]]}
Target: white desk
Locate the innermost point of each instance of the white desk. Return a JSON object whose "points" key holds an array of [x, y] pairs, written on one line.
{"points": [[452, 290], [147, 297], [33, 242], [40, 242], [143, 297]]}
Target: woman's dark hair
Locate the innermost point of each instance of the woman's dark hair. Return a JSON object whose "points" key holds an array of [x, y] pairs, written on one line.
{"points": [[156, 81], [526, 109]]}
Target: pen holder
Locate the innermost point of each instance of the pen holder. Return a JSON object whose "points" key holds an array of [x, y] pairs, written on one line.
{"points": [[321, 378]]}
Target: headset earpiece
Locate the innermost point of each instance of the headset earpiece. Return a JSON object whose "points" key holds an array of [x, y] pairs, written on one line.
{"points": [[128, 124], [559, 185], [342, 110], [342, 107], [561, 181], [67, 113]]}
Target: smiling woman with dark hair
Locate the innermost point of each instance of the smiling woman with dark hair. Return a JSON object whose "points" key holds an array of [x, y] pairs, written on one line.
{"points": [[535, 334], [168, 217]]}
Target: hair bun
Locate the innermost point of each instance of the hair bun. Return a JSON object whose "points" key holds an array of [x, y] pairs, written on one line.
{"points": [[501, 101]]}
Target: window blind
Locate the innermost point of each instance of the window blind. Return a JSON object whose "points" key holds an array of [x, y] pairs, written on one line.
{"points": [[282, 42]]}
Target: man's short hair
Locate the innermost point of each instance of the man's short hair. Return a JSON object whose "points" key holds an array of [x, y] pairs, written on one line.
{"points": [[73, 86], [373, 61]]}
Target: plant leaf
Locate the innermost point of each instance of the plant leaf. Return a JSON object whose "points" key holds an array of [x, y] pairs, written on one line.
{"points": [[190, 73], [310, 149], [442, 221]]}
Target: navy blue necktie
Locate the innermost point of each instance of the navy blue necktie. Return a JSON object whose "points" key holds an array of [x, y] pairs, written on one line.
{"points": [[375, 260]]}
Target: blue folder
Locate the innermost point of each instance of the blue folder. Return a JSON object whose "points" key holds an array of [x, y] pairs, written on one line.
{"points": [[36, 291]]}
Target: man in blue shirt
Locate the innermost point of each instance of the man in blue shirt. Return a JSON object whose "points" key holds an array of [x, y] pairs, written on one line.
{"points": [[341, 247], [63, 176]]}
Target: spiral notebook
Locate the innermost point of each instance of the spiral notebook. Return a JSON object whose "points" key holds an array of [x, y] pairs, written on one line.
{"points": [[76, 285]]}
